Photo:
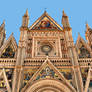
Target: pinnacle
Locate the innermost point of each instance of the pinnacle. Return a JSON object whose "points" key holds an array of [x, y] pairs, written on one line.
{"points": [[64, 13], [3, 21], [45, 12], [3, 24], [27, 12], [87, 26]]}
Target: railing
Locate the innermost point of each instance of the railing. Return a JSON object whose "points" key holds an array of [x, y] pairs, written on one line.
{"points": [[7, 62], [37, 62], [85, 62]]}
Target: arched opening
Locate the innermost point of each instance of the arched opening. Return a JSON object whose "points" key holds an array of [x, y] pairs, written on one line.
{"points": [[48, 85]]}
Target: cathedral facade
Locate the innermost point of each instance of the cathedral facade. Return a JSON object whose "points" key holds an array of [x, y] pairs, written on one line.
{"points": [[45, 58]]}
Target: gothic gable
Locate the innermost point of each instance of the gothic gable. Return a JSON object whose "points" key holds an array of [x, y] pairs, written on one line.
{"points": [[45, 22], [83, 49], [8, 52], [9, 48], [48, 70]]}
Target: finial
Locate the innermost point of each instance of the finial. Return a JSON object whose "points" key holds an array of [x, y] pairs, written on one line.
{"points": [[45, 10], [4, 22], [65, 20], [25, 19], [64, 13], [87, 26], [26, 12]]}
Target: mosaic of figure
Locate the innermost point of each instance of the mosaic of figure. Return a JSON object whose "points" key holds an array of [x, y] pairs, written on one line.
{"points": [[45, 23], [8, 52]]}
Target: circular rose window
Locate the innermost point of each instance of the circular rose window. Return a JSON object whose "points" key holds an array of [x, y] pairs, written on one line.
{"points": [[46, 49]]}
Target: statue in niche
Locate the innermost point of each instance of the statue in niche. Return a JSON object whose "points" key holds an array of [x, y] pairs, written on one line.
{"points": [[29, 46]]}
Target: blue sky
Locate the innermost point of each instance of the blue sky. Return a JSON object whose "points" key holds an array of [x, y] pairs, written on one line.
{"points": [[79, 12]]}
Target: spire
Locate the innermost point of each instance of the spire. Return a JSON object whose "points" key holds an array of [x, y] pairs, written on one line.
{"points": [[25, 20], [26, 12], [87, 26], [88, 29], [65, 20], [3, 24], [88, 32], [3, 33], [64, 13]]}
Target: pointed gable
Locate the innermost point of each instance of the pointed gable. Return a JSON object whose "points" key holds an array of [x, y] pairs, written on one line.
{"points": [[48, 70], [83, 48], [9, 48], [45, 22]]}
